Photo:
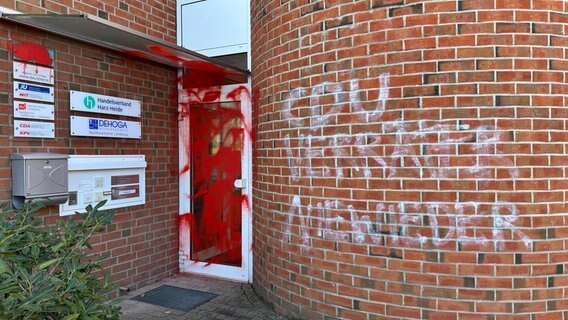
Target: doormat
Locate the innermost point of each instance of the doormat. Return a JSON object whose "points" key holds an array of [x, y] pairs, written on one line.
{"points": [[175, 298]]}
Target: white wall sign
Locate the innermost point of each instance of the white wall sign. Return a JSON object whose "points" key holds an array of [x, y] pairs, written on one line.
{"points": [[32, 72], [96, 103], [33, 129], [33, 110], [29, 91], [108, 128]]}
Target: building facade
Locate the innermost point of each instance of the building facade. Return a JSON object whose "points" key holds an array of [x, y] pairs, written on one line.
{"points": [[105, 86], [410, 158], [142, 243]]}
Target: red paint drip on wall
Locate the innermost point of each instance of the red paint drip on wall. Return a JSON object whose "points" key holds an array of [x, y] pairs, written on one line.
{"points": [[32, 53]]}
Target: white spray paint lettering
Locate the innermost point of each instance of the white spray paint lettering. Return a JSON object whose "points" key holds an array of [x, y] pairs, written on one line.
{"points": [[403, 150]]}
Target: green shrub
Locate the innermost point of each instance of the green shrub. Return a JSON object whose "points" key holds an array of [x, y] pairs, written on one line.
{"points": [[45, 272]]}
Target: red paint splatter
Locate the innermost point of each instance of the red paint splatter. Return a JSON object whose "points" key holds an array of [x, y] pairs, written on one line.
{"points": [[166, 53], [216, 149], [185, 169], [239, 92], [192, 97], [197, 74], [32, 53], [184, 223], [242, 93]]}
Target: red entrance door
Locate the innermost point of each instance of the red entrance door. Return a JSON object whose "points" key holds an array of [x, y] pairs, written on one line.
{"points": [[215, 224], [216, 149]]}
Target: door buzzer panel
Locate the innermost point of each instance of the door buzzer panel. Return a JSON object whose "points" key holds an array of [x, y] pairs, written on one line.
{"points": [[120, 180]]}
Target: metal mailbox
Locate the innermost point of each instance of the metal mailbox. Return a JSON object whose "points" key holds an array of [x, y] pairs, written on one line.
{"points": [[39, 177]]}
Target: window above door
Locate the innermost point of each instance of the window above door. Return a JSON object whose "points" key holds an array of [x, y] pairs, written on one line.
{"points": [[216, 28]]}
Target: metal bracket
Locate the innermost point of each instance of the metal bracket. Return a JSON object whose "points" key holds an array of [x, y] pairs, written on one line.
{"points": [[240, 184]]}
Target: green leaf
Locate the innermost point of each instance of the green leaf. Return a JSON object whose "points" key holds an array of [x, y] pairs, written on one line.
{"points": [[74, 316], [4, 267], [6, 289], [100, 204], [22, 258], [48, 263], [35, 252], [81, 215]]}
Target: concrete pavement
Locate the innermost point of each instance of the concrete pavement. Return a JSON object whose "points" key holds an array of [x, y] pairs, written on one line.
{"points": [[235, 301]]}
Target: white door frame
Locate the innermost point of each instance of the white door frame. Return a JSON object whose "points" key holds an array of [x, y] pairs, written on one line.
{"points": [[188, 97]]}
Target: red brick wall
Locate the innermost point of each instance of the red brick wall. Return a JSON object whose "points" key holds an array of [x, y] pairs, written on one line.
{"points": [[152, 17], [411, 158], [143, 240]]}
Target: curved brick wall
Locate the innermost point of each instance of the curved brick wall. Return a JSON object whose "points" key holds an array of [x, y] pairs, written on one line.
{"points": [[411, 158]]}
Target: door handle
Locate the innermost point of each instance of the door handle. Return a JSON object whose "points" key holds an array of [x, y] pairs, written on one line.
{"points": [[240, 184]]}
